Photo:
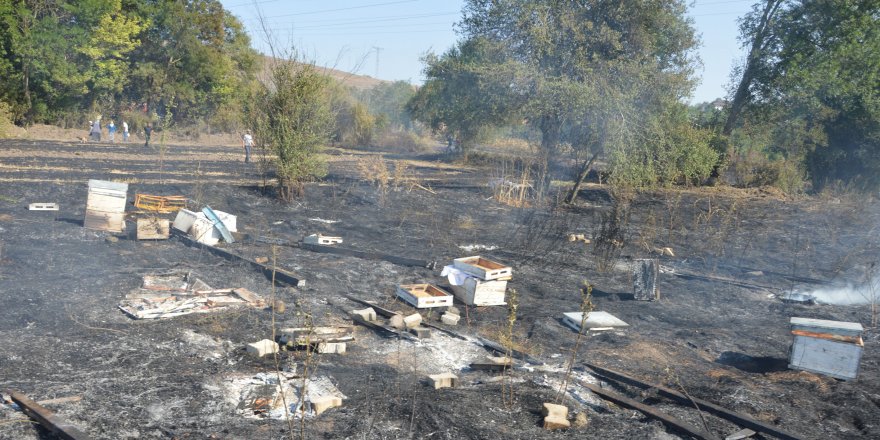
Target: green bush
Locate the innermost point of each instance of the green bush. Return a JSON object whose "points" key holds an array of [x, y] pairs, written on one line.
{"points": [[5, 119]]}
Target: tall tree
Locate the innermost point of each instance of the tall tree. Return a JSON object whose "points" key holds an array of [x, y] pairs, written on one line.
{"points": [[817, 87]]}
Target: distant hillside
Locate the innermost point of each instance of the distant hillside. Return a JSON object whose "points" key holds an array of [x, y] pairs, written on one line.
{"points": [[360, 82]]}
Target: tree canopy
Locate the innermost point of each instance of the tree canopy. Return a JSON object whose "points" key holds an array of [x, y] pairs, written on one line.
{"points": [[60, 57], [594, 74], [815, 84]]}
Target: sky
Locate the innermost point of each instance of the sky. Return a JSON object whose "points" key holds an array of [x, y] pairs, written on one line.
{"points": [[386, 39]]}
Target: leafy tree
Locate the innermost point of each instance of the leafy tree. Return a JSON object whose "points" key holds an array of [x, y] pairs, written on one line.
{"points": [[466, 91], [817, 86], [291, 118], [387, 101]]}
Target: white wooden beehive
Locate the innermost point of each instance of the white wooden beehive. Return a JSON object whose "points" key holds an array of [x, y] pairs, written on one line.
{"points": [[483, 268], [423, 296]]}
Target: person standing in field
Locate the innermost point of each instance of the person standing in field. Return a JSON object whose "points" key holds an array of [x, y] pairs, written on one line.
{"points": [[124, 131], [111, 131], [95, 131], [248, 141], [147, 131]]}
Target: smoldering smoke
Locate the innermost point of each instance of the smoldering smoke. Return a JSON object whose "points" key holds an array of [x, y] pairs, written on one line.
{"points": [[851, 295]]}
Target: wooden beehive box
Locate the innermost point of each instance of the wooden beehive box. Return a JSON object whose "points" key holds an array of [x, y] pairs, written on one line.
{"points": [[104, 221], [153, 228], [476, 292], [105, 206], [423, 296], [483, 268], [832, 348]]}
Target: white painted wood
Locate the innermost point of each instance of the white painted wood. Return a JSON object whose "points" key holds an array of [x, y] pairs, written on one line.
{"points": [[105, 202], [321, 239], [595, 320], [482, 268], [104, 221], [825, 326], [185, 219], [43, 207], [106, 185], [831, 358], [476, 292], [423, 296]]}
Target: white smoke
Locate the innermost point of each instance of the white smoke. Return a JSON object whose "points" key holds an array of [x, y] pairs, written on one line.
{"points": [[850, 295]]}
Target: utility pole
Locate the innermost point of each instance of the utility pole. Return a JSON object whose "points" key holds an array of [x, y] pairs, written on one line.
{"points": [[377, 49]]}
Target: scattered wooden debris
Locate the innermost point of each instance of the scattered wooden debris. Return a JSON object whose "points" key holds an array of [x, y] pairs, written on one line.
{"points": [[401, 261], [43, 207], [555, 416], [162, 204], [47, 418], [271, 272], [579, 238], [153, 228], [443, 380], [321, 239], [302, 336], [262, 348], [179, 293]]}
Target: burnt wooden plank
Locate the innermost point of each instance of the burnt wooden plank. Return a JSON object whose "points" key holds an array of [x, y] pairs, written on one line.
{"points": [[383, 330], [272, 273], [47, 418], [740, 419], [381, 311], [667, 419], [504, 350], [401, 261]]}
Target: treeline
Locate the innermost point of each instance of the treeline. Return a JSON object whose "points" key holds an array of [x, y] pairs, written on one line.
{"points": [[184, 63], [609, 78], [60, 59]]}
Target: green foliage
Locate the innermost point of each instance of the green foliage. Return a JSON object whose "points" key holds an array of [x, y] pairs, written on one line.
{"points": [[5, 119], [815, 88], [466, 91], [291, 117], [62, 57], [387, 102]]}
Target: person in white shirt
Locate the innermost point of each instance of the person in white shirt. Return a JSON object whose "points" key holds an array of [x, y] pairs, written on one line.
{"points": [[248, 141]]}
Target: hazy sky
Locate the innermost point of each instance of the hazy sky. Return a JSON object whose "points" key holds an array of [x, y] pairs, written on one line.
{"points": [[387, 38]]}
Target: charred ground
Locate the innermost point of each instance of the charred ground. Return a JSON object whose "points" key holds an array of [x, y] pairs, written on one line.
{"points": [[718, 331]]}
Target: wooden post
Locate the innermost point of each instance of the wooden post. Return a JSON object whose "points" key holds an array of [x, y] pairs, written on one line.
{"points": [[645, 279]]}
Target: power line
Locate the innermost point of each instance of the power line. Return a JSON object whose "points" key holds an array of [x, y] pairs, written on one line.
{"points": [[252, 3], [343, 9], [345, 22], [346, 28]]}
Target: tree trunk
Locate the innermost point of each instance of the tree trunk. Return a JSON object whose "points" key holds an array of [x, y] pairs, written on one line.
{"points": [[572, 195], [741, 95]]}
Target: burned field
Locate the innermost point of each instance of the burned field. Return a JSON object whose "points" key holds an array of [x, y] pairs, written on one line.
{"points": [[719, 331]]}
